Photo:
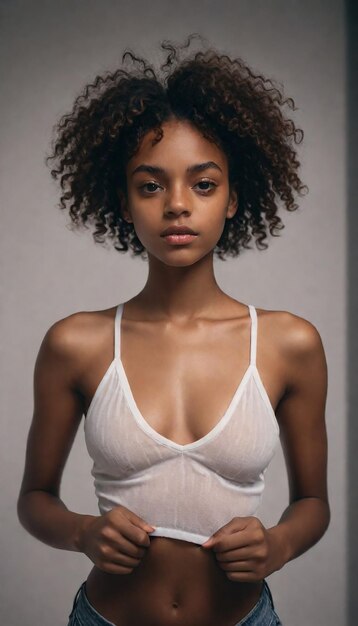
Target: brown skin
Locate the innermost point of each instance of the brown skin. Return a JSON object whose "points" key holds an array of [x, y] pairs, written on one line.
{"points": [[138, 579]]}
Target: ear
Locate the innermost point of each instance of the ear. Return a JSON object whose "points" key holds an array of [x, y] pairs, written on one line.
{"points": [[233, 203], [123, 206]]}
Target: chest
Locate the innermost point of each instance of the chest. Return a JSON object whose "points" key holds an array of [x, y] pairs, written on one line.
{"points": [[183, 378], [184, 387]]}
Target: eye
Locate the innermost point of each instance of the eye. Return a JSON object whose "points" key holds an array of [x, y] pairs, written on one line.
{"points": [[146, 185], [206, 182]]}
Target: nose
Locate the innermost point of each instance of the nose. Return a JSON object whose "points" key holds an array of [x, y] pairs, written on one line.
{"points": [[177, 202]]}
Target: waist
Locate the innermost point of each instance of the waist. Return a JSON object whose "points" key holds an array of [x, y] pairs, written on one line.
{"points": [[176, 582]]}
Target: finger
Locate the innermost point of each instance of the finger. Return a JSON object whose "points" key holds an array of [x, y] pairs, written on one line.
{"points": [[139, 521], [109, 556], [226, 543], [243, 526], [238, 566], [116, 569], [135, 534], [243, 577], [235, 525], [239, 554], [125, 546], [118, 558], [113, 537]]}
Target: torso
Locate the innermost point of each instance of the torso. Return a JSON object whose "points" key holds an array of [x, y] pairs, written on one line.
{"points": [[178, 582]]}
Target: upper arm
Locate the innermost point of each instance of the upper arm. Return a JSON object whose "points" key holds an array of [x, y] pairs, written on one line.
{"points": [[57, 408], [301, 411]]}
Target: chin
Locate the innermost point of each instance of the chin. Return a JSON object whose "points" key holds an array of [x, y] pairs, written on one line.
{"points": [[182, 263], [179, 256], [182, 259], [178, 262]]}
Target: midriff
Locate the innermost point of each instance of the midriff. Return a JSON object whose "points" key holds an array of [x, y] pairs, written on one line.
{"points": [[177, 583]]}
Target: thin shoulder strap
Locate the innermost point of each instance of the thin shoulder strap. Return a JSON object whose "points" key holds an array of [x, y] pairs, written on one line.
{"points": [[253, 334], [117, 331]]}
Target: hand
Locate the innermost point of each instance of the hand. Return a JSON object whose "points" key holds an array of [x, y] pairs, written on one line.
{"points": [[116, 541], [246, 550]]}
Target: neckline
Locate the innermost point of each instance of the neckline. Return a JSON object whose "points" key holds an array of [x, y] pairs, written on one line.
{"points": [[144, 424]]}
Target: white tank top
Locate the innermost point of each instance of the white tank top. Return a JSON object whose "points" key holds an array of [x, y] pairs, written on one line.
{"points": [[186, 491]]}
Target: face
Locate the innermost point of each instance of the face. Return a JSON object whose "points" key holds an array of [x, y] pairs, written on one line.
{"points": [[180, 181]]}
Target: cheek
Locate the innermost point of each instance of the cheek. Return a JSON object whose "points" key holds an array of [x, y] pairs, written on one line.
{"points": [[146, 229], [144, 224], [140, 213], [215, 222]]}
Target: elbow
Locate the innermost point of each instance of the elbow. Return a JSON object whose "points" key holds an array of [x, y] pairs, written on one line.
{"points": [[25, 506], [21, 509], [323, 517]]}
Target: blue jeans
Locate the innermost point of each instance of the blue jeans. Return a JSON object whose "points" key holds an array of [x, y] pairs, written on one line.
{"points": [[262, 614]]}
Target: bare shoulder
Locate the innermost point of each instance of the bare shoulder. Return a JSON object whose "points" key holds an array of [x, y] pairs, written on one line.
{"points": [[296, 336], [78, 335]]}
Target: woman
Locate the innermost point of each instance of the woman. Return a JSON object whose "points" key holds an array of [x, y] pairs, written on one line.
{"points": [[185, 390]]}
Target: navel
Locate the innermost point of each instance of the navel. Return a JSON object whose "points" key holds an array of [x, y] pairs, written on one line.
{"points": [[175, 604]]}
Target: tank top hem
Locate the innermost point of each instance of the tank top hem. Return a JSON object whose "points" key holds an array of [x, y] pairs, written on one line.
{"points": [[175, 533]]}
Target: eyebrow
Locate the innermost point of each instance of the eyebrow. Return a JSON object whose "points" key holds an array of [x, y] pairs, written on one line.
{"points": [[155, 169]]}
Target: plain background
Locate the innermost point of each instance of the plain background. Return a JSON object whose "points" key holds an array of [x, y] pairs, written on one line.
{"points": [[49, 50]]}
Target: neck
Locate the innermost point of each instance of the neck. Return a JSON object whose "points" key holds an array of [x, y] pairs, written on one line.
{"points": [[181, 292]]}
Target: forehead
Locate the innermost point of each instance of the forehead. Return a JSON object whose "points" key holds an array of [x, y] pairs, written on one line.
{"points": [[181, 143]]}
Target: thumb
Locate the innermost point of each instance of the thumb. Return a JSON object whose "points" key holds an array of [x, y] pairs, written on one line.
{"points": [[234, 525], [211, 541]]}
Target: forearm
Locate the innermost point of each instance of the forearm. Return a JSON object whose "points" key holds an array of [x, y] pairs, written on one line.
{"points": [[301, 525], [46, 517]]}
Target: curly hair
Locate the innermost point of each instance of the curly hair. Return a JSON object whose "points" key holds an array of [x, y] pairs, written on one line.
{"points": [[240, 111]]}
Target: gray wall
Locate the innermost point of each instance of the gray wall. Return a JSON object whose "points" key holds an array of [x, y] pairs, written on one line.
{"points": [[48, 51], [352, 305]]}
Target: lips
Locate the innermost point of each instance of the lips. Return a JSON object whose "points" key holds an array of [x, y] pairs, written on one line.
{"points": [[178, 230]]}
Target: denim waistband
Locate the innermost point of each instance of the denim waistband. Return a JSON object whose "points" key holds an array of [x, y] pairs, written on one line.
{"points": [[86, 614], [263, 612]]}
